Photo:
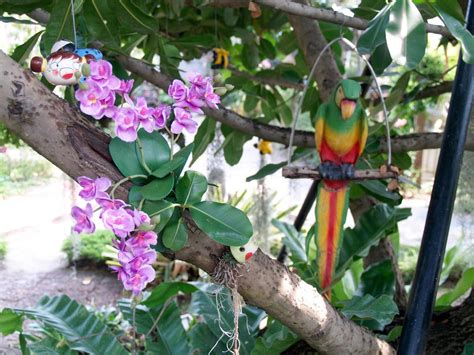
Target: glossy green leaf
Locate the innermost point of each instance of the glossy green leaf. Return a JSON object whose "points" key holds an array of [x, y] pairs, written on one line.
{"points": [[204, 136], [450, 259], [458, 30], [125, 158], [276, 339], [22, 52], [10, 322], [374, 35], [368, 231], [249, 55], [233, 144], [157, 189], [381, 59], [165, 290], [182, 153], [175, 235], [59, 26], [378, 280], [223, 223], [406, 34], [156, 150], [169, 167], [368, 9], [203, 340], [379, 190], [101, 22], [81, 328], [267, 48], [465, 283], [134, 196], [162, 208], [132, 17], [191, 188], [204, 304], [381, 309], [169, 336], [266, 170]]}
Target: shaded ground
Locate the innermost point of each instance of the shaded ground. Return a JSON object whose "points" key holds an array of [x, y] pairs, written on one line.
{"points": [[34, 226]]}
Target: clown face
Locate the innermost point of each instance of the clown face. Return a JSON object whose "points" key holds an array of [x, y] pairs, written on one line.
{"points": [[63, 68]]}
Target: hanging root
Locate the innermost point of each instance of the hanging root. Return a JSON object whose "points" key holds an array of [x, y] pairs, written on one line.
{"points": [[226, 274]]}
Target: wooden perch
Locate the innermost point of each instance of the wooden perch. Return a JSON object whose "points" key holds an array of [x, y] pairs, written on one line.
{"points": [[304, 172]]}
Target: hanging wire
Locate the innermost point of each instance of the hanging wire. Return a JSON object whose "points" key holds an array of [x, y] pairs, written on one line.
{"points": [[73, 22], [308, 81]]}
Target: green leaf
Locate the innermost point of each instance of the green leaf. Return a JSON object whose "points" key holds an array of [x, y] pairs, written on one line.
{"points": [[468, 349], [276, 339], [132, 17], [204, 40], [204, 136], [101, 22], [24, 345], [175, 235], [381, 309], [157, 189], [125, 158], [223, 223], [266, 170], [368, 9], [169, 58], [381, 59], [191, 187], [156, 150], [249, 55], [379, 190], [294, 240], [233, 144], [374, 35], [378, 280], [369, 229], [169, 331], [81, 328], [134, 196], [59, 26], [203, 340], [22, 52], [406, 34], [458, 30], [396, 94], [10, 322], [204, 303], [465, 283], [161, 208], [169, 167], [268, 50], [165, 291]]}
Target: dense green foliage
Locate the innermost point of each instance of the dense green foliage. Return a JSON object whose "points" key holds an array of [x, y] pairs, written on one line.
{"points": [[90, 247]]}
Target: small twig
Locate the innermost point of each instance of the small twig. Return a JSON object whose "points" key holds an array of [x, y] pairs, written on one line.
{"points": [[142, 156], [295, 172]]}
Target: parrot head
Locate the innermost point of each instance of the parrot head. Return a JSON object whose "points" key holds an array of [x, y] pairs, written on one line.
{"points": [[244, 252], [347, 94]]}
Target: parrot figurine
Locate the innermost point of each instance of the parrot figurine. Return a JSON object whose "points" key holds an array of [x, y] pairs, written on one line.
{"points": [[341, 131], [244, 252]]}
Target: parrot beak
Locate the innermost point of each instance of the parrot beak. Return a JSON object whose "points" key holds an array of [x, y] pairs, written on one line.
{"points": [[347, 108]]}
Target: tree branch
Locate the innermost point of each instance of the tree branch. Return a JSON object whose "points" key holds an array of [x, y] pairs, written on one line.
{"points": [[303, 172], [268, 80], [60, 133], [335, 17]]}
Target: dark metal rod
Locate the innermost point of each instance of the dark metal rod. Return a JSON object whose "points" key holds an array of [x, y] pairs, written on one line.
{"points": [[433, 245], [301, 217]]}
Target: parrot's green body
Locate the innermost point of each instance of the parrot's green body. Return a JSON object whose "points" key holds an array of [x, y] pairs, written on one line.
{"points": [[341, 134]]}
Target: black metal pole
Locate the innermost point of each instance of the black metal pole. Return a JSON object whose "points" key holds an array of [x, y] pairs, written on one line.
{"points": [[301, 217], [433, 244]]}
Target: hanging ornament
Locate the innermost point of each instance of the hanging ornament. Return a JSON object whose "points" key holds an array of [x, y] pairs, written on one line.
{"points": [[220, 58], [66, 65], [264, 147]]}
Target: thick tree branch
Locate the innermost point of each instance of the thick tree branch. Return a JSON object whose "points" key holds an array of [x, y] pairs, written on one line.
{"points": [[60, 133], [304, 172]]}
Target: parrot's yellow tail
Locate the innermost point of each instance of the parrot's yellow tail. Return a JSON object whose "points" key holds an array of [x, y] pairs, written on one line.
{"points": [[331, 211]]}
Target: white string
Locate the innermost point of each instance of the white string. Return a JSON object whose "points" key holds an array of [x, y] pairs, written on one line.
{"points": [[73, 22], [308, 80]]}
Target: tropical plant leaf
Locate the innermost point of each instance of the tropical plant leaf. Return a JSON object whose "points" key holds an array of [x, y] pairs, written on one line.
{"points": [[101, 22], [191, 187], [157, 189], [182, 153], [223, 223], [204, 136], [156, 150], [10, 321], [59, 26], [294, 240], [163, 209], [168, 167], [81, 328], [22, 52], [374, 35], [465, 283], [126, 159], [175, 235], [378, 280], [406, 34], [276, 339], [132, 17], [266, 170], [165, 290]]}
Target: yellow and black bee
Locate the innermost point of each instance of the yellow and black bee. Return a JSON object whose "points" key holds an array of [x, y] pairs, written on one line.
{"points": [[220, 58], [264, 147]]}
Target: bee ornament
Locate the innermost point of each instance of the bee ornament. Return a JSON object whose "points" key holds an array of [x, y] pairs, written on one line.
{"points": [[220, 58]]}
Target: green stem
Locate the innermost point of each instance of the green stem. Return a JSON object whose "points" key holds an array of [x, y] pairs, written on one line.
{"points": [[140, 205], [128, 178], [164, 209], [142, 156]]}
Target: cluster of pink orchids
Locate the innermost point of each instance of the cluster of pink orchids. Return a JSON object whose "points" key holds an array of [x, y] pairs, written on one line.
{"points": [[97, 99], [133, 228]]}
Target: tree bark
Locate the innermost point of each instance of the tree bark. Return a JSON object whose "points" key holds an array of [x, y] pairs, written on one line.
{"points": [[61, 134]]}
